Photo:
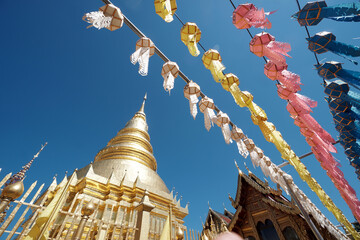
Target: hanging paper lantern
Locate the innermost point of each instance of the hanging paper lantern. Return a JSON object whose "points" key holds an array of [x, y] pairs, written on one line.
{"points": [[285, 77], [145, 48], [264, 44], [350, 153], [212, 61], [169, 71], [222, 120], [313, 12], [229, 80], [330, 70], [247, 16], [192, 92], [340, 89], [190, 36], [301, 103], [339, 105], [108, 16], [325, 41], [249, 143], [336, 89], [207, 106], [356, 162], [165, 9], [343, 118], [237, 135]]}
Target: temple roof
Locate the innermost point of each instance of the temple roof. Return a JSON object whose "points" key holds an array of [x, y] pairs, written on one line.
{"points": [[272, 197]]}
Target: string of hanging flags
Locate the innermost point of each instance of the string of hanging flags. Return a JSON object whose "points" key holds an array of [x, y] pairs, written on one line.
{"points": [[343, 104], [192, 92]]}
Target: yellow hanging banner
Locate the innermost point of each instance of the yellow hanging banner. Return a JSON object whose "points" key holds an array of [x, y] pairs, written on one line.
{"points": [[165, 9], [258, 116], [190, 36]]}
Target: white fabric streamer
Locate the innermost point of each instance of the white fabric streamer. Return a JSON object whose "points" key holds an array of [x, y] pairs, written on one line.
{"points": [[225, 128], [242, 148], [169, 81], [97, 20], [209, 115], [193, 108], [141, 56], [169, 17], [255, 159]]}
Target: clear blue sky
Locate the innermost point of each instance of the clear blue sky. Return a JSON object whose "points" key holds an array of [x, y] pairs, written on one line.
{"points": [[75, 88]]}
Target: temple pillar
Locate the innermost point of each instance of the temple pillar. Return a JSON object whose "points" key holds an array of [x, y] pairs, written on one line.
{"points": [[143, 220]]}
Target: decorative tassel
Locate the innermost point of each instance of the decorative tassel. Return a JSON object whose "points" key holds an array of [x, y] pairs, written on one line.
{"points": [[222, 120], [108, 16], [165, 9], [190, 36], [192, 92], [145, 48], [207, 106], [247, 15], [264, 44], [212, 61], [313, 12], [169, 71]]}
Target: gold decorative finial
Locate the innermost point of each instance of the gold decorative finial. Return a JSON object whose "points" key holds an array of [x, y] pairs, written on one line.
{"points": [[247, 169], [143, 105], [240, 172], [179, 234], [13, 190], [21, 174], [88, 209]]}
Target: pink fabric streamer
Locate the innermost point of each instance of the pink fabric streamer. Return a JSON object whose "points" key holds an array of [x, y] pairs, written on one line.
{"points": [[300, 103], [313, 139], [257, 18], [276, 52], [290, 80], [337, 177], [311, 123]]}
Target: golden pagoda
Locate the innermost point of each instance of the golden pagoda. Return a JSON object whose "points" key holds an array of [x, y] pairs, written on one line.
{"points": [[118, 196]]}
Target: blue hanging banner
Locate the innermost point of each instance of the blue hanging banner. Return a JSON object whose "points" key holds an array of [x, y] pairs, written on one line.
{"points": [[313, 12], [325, 41], [330, 70]]}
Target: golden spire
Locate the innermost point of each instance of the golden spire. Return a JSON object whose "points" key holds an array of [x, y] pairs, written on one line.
{"points": [[141, 111], [132, 142]]}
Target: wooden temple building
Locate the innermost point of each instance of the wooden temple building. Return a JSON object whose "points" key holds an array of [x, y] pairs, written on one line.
{"points": [[118, 196], [261, 213]]}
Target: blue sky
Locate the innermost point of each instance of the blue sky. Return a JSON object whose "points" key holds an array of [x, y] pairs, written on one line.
{"points": [[75, 88]]}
